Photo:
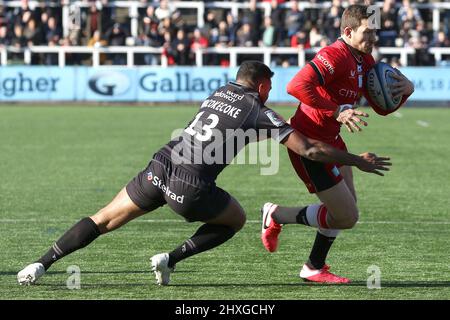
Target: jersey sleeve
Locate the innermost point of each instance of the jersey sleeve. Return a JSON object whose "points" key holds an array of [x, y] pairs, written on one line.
{"points": [[275, 126], [326, 64], [320, 71]]}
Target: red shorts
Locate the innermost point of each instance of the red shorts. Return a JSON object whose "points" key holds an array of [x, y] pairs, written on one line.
{"points": [[318, 176]]}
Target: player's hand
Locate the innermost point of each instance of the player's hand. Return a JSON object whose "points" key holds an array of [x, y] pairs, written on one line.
{"points": [[351, 119], [402, 87], [373, 164]]}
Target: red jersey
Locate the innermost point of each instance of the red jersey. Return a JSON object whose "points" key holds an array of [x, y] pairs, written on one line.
{"points": [[335, 76]]}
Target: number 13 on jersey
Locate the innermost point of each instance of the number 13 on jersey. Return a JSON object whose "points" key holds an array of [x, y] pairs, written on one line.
{"points": [[206, 129]]}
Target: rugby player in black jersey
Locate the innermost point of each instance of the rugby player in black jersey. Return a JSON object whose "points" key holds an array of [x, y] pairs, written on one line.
{"points": [[182, 174]]}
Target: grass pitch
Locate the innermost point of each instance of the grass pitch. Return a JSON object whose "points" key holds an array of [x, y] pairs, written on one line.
{"points": [[58, 165]]}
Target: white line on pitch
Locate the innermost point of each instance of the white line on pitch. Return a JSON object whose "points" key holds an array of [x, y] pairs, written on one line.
{"points": [[423, 123], [398, 115], [248, 221]]}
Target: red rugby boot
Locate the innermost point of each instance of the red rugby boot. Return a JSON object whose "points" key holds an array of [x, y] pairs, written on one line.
{"points": [[321, 276], [270, 229]]}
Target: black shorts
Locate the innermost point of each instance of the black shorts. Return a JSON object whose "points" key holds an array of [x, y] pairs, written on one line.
{"points": [[190, 196]]}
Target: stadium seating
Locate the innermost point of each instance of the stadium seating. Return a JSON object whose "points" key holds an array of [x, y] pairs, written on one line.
{"points": [[283, 33]]}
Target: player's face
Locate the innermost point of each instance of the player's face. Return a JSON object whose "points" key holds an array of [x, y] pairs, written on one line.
{"points": [[363, 38], [264, 88]]}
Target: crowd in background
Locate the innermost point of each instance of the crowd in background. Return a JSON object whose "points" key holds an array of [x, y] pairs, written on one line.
{"points": [[177, 32]]}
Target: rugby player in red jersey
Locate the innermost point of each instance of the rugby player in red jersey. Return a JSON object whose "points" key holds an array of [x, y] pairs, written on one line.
{"points": [[328, 88]]}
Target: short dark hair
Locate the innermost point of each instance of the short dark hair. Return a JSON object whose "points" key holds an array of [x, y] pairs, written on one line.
{"points": [[353, 15], [252, 72]]}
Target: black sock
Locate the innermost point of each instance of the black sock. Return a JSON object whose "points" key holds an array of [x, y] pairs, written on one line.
{"points": [[208, 236], [320, 249], [301, 217], [80, 235]]}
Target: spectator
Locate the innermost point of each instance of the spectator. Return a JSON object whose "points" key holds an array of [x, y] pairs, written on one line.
{"points": [[222, 37], [210, 23], [96, 42], [53, 33], [253, 17], [163, 11], [32, 34], [181, 48], [23, 13], [155, 39], [4, 37], [387, 34], [233, 26], [107, 16], [315, 37], [389, 13], [3, 16], [93, 20], [166, 25], [116, 36], [167, 48], [295, 19], [243, 37], [147, 20], [332, 23], [313, 16], [18, 41], [408, 13], [199, 41], [277, 16], [440, 40], [268, 38], [300, 40], [151, 39], [421, 57]]}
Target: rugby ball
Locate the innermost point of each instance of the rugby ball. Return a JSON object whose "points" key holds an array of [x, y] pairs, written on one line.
{"points": [[378, 82]]}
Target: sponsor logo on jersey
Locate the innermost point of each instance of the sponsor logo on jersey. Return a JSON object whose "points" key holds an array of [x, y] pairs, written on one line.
{"points": [[347, 93], [352, 74], [156, 181], [274, 118], [326, 63], [149, 176]]}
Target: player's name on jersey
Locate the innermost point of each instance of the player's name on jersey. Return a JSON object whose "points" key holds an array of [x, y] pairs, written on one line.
{"points": [[221, 107]]}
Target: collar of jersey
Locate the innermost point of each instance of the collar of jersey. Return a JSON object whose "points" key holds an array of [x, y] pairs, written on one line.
{"points": [[360, 60]]}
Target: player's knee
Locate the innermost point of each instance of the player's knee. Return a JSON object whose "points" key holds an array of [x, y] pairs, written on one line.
{"points": [[350, 221], [103, 219], [353, 220], [239, 221]]}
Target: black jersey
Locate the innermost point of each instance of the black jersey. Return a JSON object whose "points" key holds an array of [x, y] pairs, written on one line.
{"points": [[226, 122]]}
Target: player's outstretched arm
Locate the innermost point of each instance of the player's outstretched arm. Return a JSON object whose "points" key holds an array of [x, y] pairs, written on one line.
{"points": [[322, 152]]}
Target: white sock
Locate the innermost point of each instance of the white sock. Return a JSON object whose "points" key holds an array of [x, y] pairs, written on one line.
{"points": [[316, 214]]}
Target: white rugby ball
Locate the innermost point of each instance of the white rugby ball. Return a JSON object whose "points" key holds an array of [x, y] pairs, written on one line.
{"points": [[378, 82]]}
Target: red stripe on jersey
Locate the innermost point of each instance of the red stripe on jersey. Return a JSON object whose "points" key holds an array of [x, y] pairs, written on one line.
{"points": [[322, 217]]}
